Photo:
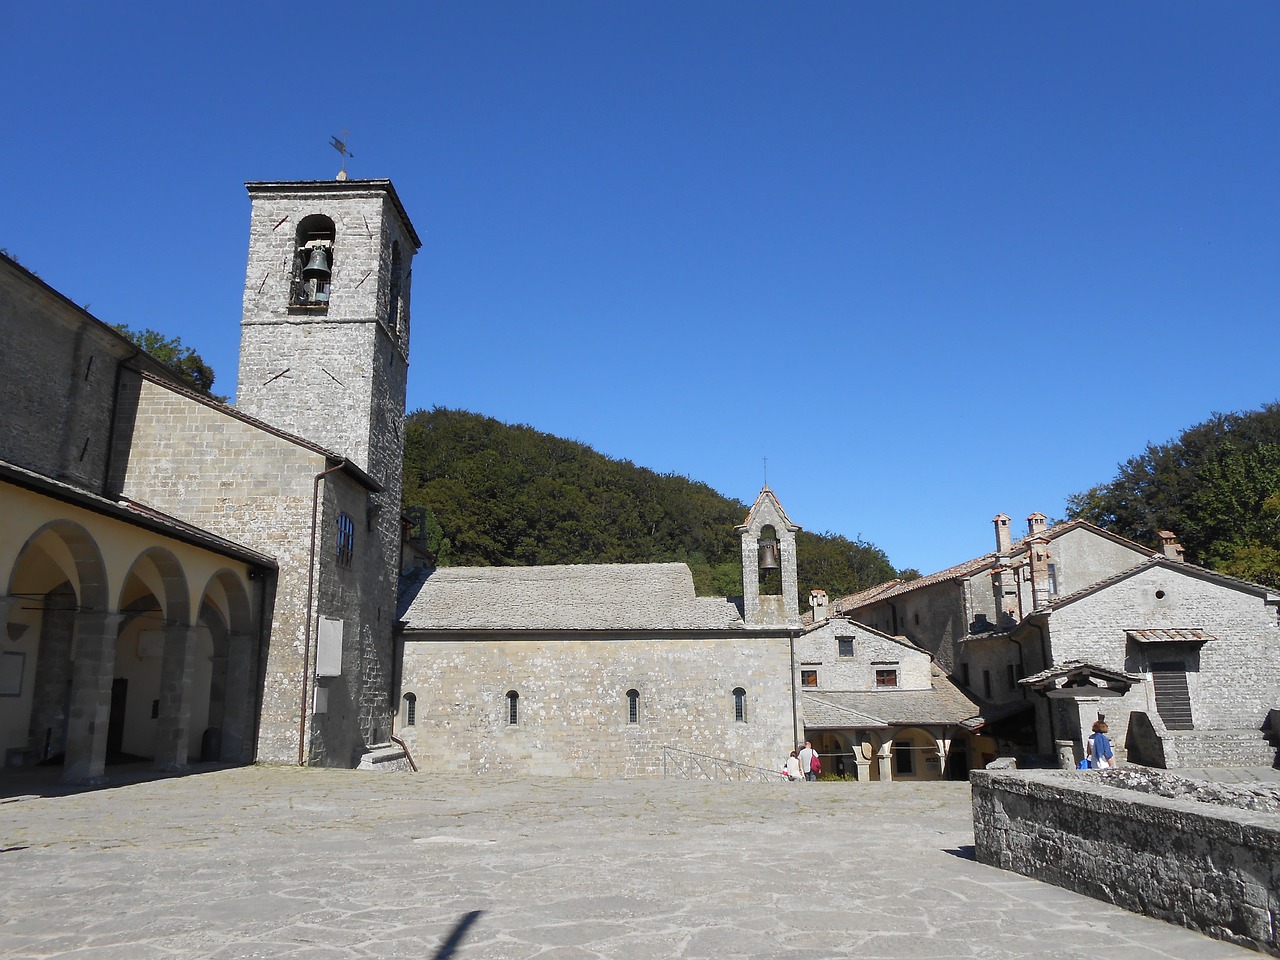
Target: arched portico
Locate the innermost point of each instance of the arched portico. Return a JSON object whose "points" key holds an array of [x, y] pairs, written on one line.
{"points": [[112, 634]]}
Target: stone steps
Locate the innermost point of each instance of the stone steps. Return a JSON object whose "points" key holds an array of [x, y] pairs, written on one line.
{"points": [[1222, 748]]}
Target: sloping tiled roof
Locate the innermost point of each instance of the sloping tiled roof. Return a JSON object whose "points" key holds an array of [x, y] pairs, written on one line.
{"points": [[944, 703], [131, 511], [606, 596], [1159, 560], [896, 588], [1170, 635]]}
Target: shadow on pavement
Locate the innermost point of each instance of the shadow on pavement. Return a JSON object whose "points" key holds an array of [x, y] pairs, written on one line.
{"points": [[454, 940]]}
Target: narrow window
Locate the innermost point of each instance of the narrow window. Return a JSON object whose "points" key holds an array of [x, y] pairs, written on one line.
{"points": [[346, 539], [846, 646], [1053, 579], [393, 308], [986, 684], [808, 678], [410, 709], [513, 708], [739, 705], [633, 706], [886, 676]]}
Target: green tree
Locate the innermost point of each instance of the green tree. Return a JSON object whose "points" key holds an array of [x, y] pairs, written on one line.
{"points": [[173, 353], [1216, 487], [509, 495]]}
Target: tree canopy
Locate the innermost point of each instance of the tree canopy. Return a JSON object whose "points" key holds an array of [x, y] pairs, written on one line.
{"points": [[1217, 487], [505, 495], [173, 353]]}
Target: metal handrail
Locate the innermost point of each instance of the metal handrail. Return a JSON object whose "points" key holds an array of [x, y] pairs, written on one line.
{"points": [[687, 765]]}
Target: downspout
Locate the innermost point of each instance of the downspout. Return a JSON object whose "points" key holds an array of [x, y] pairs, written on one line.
{"points": [[395, 687], [311, 579], [795, 712]]}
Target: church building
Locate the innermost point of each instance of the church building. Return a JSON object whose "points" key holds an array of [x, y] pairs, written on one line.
{"points": [[181, 578]]}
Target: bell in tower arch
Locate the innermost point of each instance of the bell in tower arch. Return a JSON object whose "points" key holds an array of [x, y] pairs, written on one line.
{"points": [[769, 554], [316, 275]]}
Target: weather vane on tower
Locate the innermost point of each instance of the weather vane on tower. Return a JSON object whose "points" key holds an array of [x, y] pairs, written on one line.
{"points": [[341, 147]]}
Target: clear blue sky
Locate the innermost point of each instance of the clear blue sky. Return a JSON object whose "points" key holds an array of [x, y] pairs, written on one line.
{"points": [[936, 261]]}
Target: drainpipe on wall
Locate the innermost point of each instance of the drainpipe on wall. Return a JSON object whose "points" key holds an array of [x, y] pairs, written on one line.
{"points": [[795, 712], [311, 579]]}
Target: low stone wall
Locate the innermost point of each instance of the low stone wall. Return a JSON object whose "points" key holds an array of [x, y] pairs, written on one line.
{"points": [[1207, 867]]}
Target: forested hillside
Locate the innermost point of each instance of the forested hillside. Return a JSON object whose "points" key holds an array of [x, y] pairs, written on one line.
{"points": [[505, 495], [1217, 487]]}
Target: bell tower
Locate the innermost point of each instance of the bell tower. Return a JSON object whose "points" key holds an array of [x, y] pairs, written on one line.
{"points": [[324, 338], [770, 594]]}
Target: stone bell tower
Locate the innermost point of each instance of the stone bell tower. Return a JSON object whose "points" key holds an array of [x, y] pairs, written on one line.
{"points": [[770, 595], [324, 338]]}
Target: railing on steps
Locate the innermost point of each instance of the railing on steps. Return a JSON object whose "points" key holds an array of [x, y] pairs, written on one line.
{"points": [[687, 765]]}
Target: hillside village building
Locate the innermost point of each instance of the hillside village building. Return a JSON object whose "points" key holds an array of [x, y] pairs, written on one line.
{"points": [[1072, 623], [185, 579]]}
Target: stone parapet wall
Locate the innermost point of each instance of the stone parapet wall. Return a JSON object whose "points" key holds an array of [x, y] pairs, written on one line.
{"points": [[1207, 867]]}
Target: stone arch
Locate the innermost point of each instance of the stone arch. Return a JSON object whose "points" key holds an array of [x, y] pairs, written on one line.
{"points": [[155, 598], [71, 547], [222, 691], [58, 573], [922, 747]]}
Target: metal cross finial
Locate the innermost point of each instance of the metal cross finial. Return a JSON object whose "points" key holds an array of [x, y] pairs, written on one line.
{"points": [[766, 470]]}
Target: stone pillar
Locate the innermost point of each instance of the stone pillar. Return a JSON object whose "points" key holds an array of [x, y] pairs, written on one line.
{"points": [[1067, 751], [237, 717], [943, 746], [6, 604], [173, 728], [884, 757], [93, 663], [864, 768]]}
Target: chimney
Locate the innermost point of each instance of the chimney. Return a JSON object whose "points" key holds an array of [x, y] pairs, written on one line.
{"points": [[1038, 550], [1002, 535], [818, 604], [1036, 524], [1004, 580], [1170, 547]]}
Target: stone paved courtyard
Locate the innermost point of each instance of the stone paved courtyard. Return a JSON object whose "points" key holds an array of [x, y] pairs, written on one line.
{"points": [[284, 862]]}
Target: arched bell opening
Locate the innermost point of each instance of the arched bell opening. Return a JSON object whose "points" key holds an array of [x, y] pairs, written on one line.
{"points": [[769, 562], [312, 262]]}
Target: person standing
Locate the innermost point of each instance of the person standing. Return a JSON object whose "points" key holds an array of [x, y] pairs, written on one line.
{"points": [[1099, 751], [793, 766], [805, 757]]}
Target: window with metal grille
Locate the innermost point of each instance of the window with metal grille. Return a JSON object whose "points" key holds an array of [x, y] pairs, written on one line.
{"points": [[845, 645], [633, 706], [410, 709], [739, 705], [513, 708], [346, 540]]}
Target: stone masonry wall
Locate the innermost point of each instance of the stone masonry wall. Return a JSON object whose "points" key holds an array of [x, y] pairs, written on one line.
{"points": [[1210, 868], [204, 465], [57, 382], [820, 650], [1238, 677], [573, 708]]}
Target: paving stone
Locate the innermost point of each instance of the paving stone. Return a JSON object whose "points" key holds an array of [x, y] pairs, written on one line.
{"points": [[285, 862]]}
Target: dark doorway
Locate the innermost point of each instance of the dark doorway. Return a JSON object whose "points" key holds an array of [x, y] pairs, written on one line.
{"points": [[115, 725]]}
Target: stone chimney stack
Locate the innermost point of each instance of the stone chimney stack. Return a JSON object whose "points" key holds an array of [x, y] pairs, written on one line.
{"points": [[1038, 552], [818, 604], [1004, 581], [1036, 524], [1003, 541], [1170, 547]]}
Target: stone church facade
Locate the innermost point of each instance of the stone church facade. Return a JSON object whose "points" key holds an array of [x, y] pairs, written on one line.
{"points": [[183, 578]]}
